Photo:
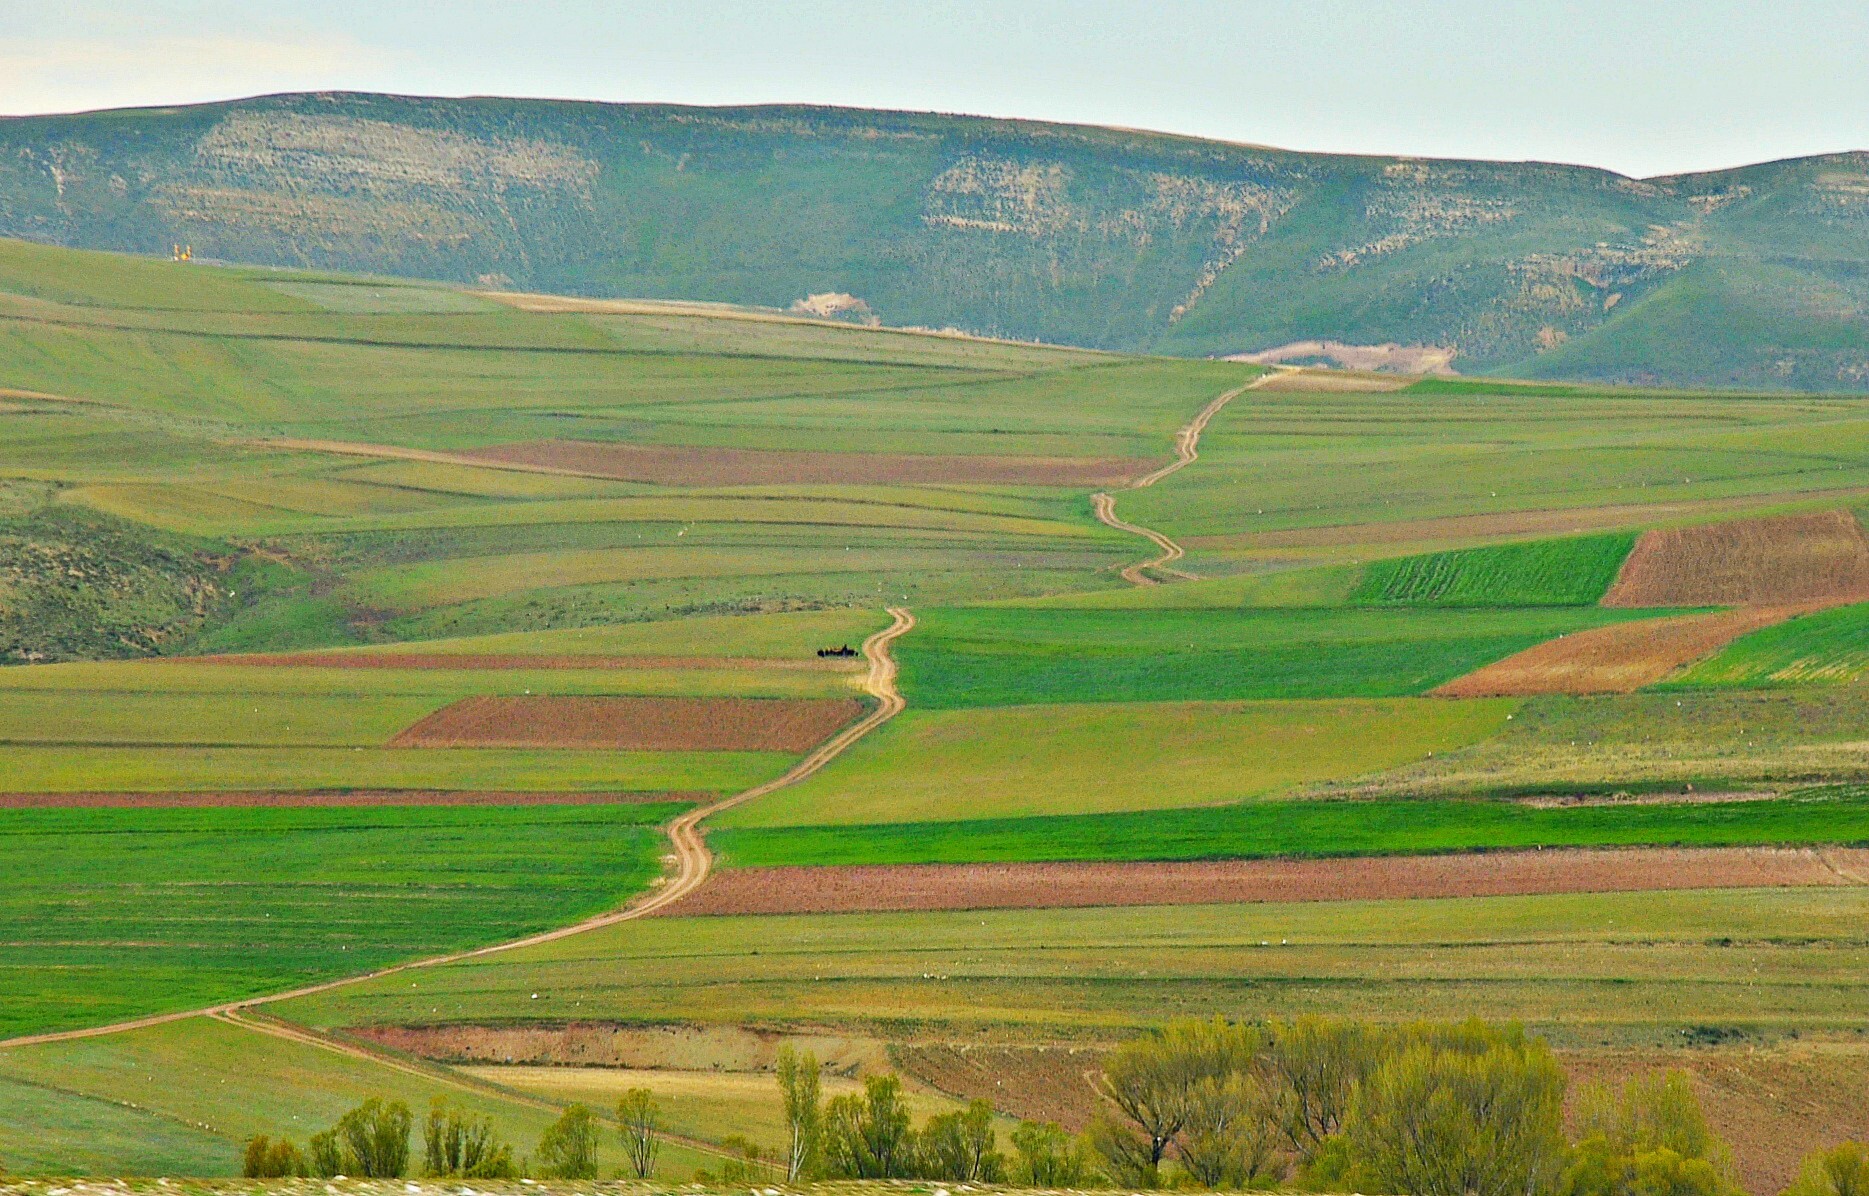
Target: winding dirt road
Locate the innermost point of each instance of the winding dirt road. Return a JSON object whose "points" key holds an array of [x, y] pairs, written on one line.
{"points": [[693, 862], [1187, 452]]}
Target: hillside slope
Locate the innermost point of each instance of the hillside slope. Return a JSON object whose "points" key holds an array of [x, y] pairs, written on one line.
{"points": [[1755, 277]]}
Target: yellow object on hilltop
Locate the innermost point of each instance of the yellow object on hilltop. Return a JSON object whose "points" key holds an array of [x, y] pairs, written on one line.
{"points": [[182, 253]]}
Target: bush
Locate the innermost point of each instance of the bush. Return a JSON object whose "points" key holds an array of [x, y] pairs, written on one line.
{"points": [[458, 1144], [1843, 1170], [568, 1148], [868, 1136], [640, 1120], [1047, 1157], [370, 1142], [1650, 1138], [961, 1147], [269, 1159]]}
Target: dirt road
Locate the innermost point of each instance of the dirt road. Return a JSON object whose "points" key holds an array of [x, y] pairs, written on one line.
{"points": [[693, 861], [1187, 451]]}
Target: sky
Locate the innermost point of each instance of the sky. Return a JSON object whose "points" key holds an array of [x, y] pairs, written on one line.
{"points": [[1644, 87]]}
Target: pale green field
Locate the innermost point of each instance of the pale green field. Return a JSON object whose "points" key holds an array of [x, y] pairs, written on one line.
{"points": [[1102, 757], [185, 1096], [1614, 967], [773, 635]]}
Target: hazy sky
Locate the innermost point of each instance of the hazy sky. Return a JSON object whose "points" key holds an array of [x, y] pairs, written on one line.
{"points": [[1641, 86]]}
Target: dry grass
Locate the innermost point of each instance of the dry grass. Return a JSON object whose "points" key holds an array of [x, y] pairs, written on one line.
{"points": [[1779, 560], [1620, 658], [343, 797], [634, 724], [501, 661]]}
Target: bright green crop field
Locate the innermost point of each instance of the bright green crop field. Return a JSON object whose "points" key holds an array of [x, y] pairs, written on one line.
{"points": [[1542, 573], [116, 913], [1827, 648]]}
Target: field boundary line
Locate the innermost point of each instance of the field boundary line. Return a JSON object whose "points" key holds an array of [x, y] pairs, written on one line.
{"points": [[1187, 452], [693, 861]]}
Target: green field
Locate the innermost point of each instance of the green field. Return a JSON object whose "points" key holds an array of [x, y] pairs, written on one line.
{"points": [[1827, 648], [1573, 572], [115, 913], [1002, 656], [1266, 830], [1615, 967], [1037, 760]]}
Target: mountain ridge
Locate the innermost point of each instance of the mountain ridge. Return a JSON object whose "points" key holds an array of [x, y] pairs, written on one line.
{"points": [[1751, 276]]}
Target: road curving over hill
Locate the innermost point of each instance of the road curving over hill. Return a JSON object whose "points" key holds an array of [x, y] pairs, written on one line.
{"points": [[691, 857], [1187, 451]]}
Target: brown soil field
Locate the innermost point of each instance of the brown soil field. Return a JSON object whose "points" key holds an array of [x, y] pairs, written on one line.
{"points": [[1617, 659], [504, 661], [676, 465], [638, 724], [1777, 560], [1775, 1104], [606, 1044], [1033, 1083], [356, 797], [871, 888]]}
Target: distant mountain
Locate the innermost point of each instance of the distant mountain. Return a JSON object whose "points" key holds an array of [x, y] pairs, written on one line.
{"points": [[1753, 277]]}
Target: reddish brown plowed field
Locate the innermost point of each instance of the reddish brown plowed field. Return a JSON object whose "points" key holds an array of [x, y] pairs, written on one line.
{"points": [[677, 465], [465, 660], [1032, 1083], [1047, 886], [1778, 560], [360, 797], [635, 724], [1617, 659]]}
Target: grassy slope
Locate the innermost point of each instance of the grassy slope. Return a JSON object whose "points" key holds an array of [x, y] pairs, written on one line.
{"points": [[117, 913], [1007, 656], [1588, 967], [1264, 830], [1034, 760], [1827, 648]]}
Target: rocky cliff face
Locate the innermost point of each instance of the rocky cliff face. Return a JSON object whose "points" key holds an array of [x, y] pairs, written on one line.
{"points": [[1115, 239]]}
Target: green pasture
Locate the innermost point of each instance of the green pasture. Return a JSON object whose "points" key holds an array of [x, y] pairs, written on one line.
{"points": [[775, 635], [1266, 830], [1325, 585], [36, 768], [1569, 572], [996, 656], [183, 1098], [236, 719], [1035, 760], [1827, 648], [117, 913], [1598, 967]]}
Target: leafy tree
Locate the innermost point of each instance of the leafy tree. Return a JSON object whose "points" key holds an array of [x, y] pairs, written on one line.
{"points": [[868, 1136], [961, 1147], [1047, 1157], [568, 1148], [641, 1122], [801, 1087], [1843, 1170], [456, 1143], [1649, 1139], [371, 1141], [1232, 1132], [1150, 1081], [267, 1159], [1319, 1062], [1433, 1121]]}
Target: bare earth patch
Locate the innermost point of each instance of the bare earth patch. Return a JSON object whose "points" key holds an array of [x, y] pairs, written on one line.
{"points": [[1389, 356], [345, 797], [1776, 560], [1620, 658], [607, 1044], [504, 661], [875, 888], [1032, 1083], [635, 724], [678, 465]]}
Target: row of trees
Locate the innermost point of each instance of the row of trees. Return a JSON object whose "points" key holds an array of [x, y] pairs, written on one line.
{"points": [[1429, 1109], [372, 1142]]}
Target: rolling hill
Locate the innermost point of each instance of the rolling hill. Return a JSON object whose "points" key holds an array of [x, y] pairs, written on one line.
{"points": [[1756, 277]]}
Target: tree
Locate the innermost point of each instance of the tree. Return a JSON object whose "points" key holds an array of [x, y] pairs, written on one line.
{"points": [[1232, 1132], [568, 1148], [640, 1121], [1150, 1080], [867, 1137], [1319, 1062], [1440, 1122], [267, 1159], [1843, 1170], [456, 1143], [371, 1141], [1650, 1138], [961, 1147], [1047, 1157], [801, 1087]]}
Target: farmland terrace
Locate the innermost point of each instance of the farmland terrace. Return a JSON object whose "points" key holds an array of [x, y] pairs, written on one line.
{"points": [[381, 654]]}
